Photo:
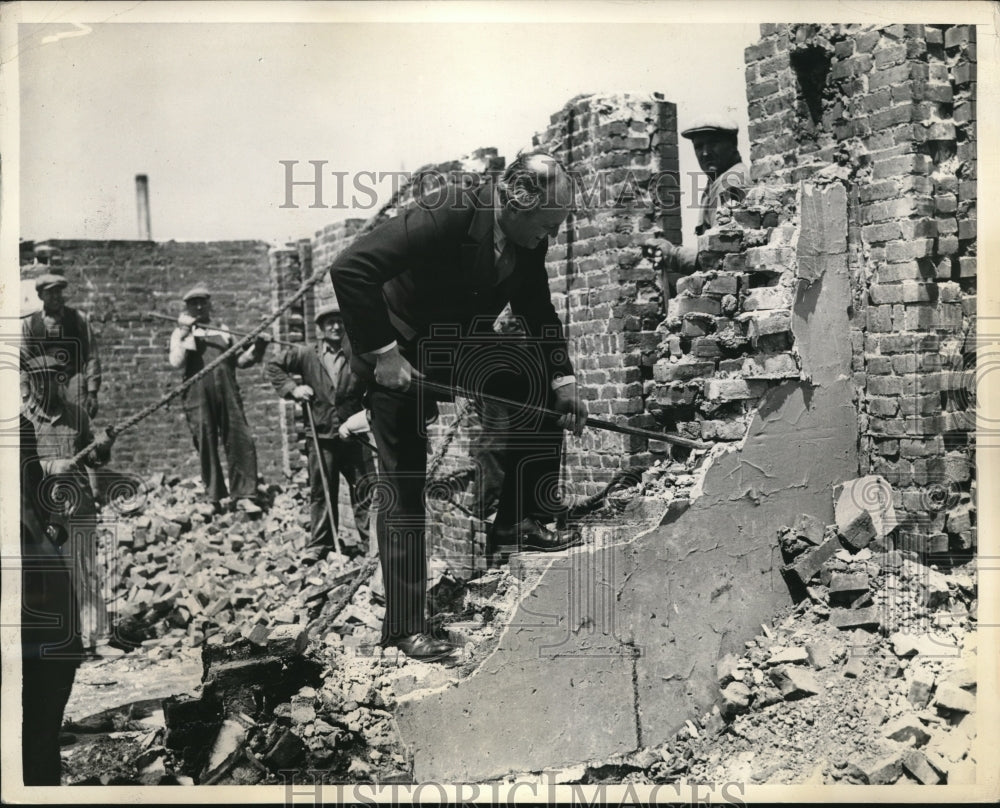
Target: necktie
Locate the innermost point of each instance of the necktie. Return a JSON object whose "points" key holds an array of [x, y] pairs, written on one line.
{"points": [[505, 262]]}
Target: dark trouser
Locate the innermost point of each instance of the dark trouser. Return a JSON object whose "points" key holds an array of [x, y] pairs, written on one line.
{"points": [[353, 460], [220, 417], [531, 474], [46, 687]]}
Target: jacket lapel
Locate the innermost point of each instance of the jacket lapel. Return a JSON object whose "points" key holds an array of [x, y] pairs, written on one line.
{"points": [[477, 247]]}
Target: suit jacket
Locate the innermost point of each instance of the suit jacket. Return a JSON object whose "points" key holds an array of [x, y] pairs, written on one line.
{"points": [[333, 403], [433, 265]]}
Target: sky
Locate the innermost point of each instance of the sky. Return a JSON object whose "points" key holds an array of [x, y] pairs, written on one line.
{"points": [[208, 110]]}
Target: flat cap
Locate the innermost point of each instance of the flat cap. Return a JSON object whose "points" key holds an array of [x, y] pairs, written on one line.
{"points": [[198, 290], [43, 364], [707, 124], [49, 281], [326, 311]]}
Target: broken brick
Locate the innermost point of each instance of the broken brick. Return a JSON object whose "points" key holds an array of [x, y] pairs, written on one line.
{"points": [[735, 699], [854, 668], [951, 697], [855, 618], [907, 729], [920, 688], [285, 751], [795, 682], [916, 763], [847, 587], [809, 563], [885, 771]]}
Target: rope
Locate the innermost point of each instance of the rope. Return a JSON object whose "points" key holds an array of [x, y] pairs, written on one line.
{"points": [[241, 344]]}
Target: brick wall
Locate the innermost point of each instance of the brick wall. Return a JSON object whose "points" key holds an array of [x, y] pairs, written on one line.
{"points": [[890, 111], [116, 283], [622, 150]]}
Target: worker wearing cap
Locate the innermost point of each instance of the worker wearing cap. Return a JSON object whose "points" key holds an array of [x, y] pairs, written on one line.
{"points": [[63, 430], [213, 405], [65, 334], [716, 146], [334, 392]]}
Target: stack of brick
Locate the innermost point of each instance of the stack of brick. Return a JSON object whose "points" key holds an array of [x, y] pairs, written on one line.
{"points": [[115, 283], [727, 335], [622, 152], [891, 111]]}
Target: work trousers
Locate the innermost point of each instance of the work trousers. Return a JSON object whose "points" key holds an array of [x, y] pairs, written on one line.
{"points": [[530, 483], [352, 460], [215, 414], [46, 686]]}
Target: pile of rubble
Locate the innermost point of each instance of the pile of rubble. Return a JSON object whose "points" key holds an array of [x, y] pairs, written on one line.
{"points": [[292, 676], [870, 677]]}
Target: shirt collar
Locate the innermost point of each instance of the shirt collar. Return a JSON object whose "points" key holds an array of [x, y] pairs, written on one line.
{"points": [[36, 413]]}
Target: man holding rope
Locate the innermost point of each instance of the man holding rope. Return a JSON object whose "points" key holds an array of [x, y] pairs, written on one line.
{"points": [[213, 406], [332, 394], [413, 291]]}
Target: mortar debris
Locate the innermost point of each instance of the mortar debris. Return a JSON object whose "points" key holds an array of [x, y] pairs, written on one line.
{"points": [[870, 678], [214, 611]]}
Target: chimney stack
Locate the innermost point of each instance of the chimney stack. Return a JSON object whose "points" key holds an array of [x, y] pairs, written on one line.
{"points": [[142, 201]]}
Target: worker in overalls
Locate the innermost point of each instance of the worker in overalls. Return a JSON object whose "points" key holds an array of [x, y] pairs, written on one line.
{"points": [[213, 405]]}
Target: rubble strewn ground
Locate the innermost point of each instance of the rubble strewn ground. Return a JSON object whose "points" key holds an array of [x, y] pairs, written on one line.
{"points": [[234, 663], [273, 665]]}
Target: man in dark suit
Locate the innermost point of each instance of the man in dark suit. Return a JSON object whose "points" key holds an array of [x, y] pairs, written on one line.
{"points": [[334, 392], [414, 292]]}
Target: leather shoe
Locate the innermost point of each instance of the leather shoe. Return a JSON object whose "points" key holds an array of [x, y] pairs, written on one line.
{"points": [[424, 646], [530, 535]]}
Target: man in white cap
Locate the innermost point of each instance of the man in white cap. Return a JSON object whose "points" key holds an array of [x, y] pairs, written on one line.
{"points": [[213, 406], [64, 334], [334, 392], [715, 145]]}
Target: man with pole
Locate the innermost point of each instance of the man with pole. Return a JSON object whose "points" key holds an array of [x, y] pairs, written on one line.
{"points": [[213, 406], [331, 395], [413, 292]]}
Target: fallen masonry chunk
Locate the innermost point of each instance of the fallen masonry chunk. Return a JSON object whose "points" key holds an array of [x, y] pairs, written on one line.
{"points": [[855, 618], [907, 729], [859, 532], [920, 687], [864, 510], [810, 562], [855, 667], [950, 746], [809, 528], [951, 697], [819, 655], [735, 699], [846, 587], [795, 683], [933, 587], [916, 763], [904, 644], [780, 656], [726, 669], [285, 751], [287, 639], [885, 771]]}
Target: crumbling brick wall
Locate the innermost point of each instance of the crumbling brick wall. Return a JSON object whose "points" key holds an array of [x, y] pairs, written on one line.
{"points": [[116, 283], [890, 111], [622, 152]]}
